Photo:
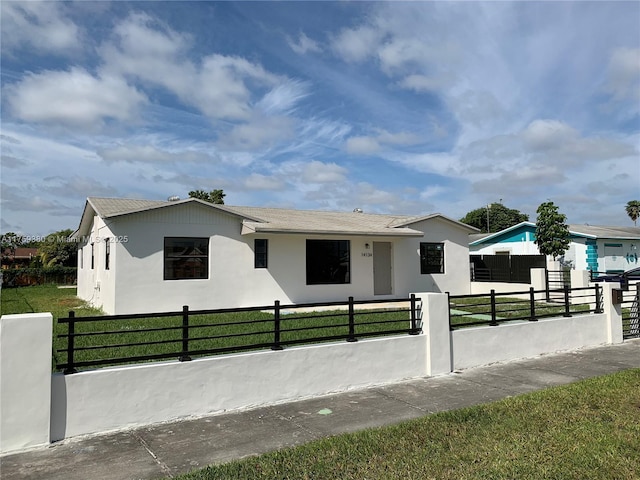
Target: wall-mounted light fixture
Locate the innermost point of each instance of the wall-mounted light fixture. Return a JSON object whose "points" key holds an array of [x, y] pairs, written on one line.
{"points": [[633, 246], [366, 246]]}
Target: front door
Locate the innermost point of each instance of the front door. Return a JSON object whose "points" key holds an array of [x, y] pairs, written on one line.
{"points": [[382, 268]]}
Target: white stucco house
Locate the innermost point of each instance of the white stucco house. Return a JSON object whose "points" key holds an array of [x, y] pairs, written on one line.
{"points": [[138, 256], [592, 247]]}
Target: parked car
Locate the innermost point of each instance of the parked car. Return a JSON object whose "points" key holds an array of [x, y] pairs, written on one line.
{"points": [[622, 278]]}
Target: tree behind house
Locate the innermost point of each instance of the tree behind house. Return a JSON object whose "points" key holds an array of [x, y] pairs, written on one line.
{"points": [[214, 196], [552, 233], [499, 217], [633, 210], [58, 249]]}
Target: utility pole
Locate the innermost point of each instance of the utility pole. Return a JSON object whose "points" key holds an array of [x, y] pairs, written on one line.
{"points": [[488, 227]]}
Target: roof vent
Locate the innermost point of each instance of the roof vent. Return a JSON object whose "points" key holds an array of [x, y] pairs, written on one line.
{"points": [[357, 210], [173, 198]]}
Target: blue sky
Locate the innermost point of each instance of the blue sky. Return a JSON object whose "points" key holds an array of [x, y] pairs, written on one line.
{"points": [[392, 107]]}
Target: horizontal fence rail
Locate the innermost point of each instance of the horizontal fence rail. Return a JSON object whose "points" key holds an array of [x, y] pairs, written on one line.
{"points": [[120, 339], [631, 312], [530, 305]]}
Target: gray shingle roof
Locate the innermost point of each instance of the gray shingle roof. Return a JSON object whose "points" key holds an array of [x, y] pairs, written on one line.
{"points": [[602, 231], [280, 220], [113, 207], [316, 221]]}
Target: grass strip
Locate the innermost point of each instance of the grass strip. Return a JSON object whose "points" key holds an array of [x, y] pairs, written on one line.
{"points": [[586, 430], [227, 332]]}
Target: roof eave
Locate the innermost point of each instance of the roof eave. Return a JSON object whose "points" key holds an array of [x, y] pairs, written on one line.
{"points": [[251, 229]]}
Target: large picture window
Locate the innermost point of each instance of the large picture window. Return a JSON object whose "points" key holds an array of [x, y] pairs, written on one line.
{"points": [[186, 258], [431, 258], [328, 262]]}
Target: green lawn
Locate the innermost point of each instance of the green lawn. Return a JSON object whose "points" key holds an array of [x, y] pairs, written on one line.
{"points": [[586, 430], [240, 329], [478, 309], [43, 298]]}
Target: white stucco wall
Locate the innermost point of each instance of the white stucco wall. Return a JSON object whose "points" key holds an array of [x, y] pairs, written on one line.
{"points": [[116, 398], [135, 283], [477, 346], [622, 258], [455, 280], [97, 285], [25, 380]]}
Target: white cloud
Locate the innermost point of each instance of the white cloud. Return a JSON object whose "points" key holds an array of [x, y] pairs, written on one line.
{"points": [[355, 45], [303, 45], [261, 132], [367, 145], [74, 98], [283, 98], [151, 52], [623, 75], [544, 135], [320, 172], [150, 154], [362, 145], [39, 25], [77, 185], [424, 83], [257, 181], [399, 138]]}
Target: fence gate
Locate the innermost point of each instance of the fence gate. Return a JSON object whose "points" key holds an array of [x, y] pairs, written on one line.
{"points": [[556, 280], [631, 312]]}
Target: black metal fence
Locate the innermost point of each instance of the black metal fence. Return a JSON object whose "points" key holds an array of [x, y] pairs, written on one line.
{"points": [[497, 308], [631, 312], [98, 341], [504, 268], [555, 280]]}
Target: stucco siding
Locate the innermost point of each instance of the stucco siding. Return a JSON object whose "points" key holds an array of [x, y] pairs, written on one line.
{"points": [[455, 279], [135, 283], [97, 285]]}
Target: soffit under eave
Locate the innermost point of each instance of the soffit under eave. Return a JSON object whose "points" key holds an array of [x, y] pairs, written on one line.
{"points": [[86, 220], [253, 229]]}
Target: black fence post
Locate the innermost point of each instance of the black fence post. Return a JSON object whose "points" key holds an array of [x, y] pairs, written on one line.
{"points": [[71, 330], [532, 303], [276, 326], [546, 284], [494, 320], [414, 322], [567, 310], [599, 305], [185, 335], [352, 325]]}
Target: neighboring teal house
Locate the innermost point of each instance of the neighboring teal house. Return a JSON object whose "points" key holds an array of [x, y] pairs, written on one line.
{"points": [[593, 247]]}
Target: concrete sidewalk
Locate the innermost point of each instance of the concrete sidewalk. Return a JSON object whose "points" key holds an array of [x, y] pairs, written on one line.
{"points": [[170, 449]]}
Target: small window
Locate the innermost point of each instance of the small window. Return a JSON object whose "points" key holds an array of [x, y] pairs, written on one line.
{"points": [[431, 258], [186, 258], [81, 257], [260, 251], [328, 262], [107, 253], [93, 264]]}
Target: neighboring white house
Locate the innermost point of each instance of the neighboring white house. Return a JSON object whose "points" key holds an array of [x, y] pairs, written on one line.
{"points": [[592, 247], [140, 256]]}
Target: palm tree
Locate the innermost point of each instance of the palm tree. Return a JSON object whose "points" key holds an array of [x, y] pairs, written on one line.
{"points": [[633, 210]]}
